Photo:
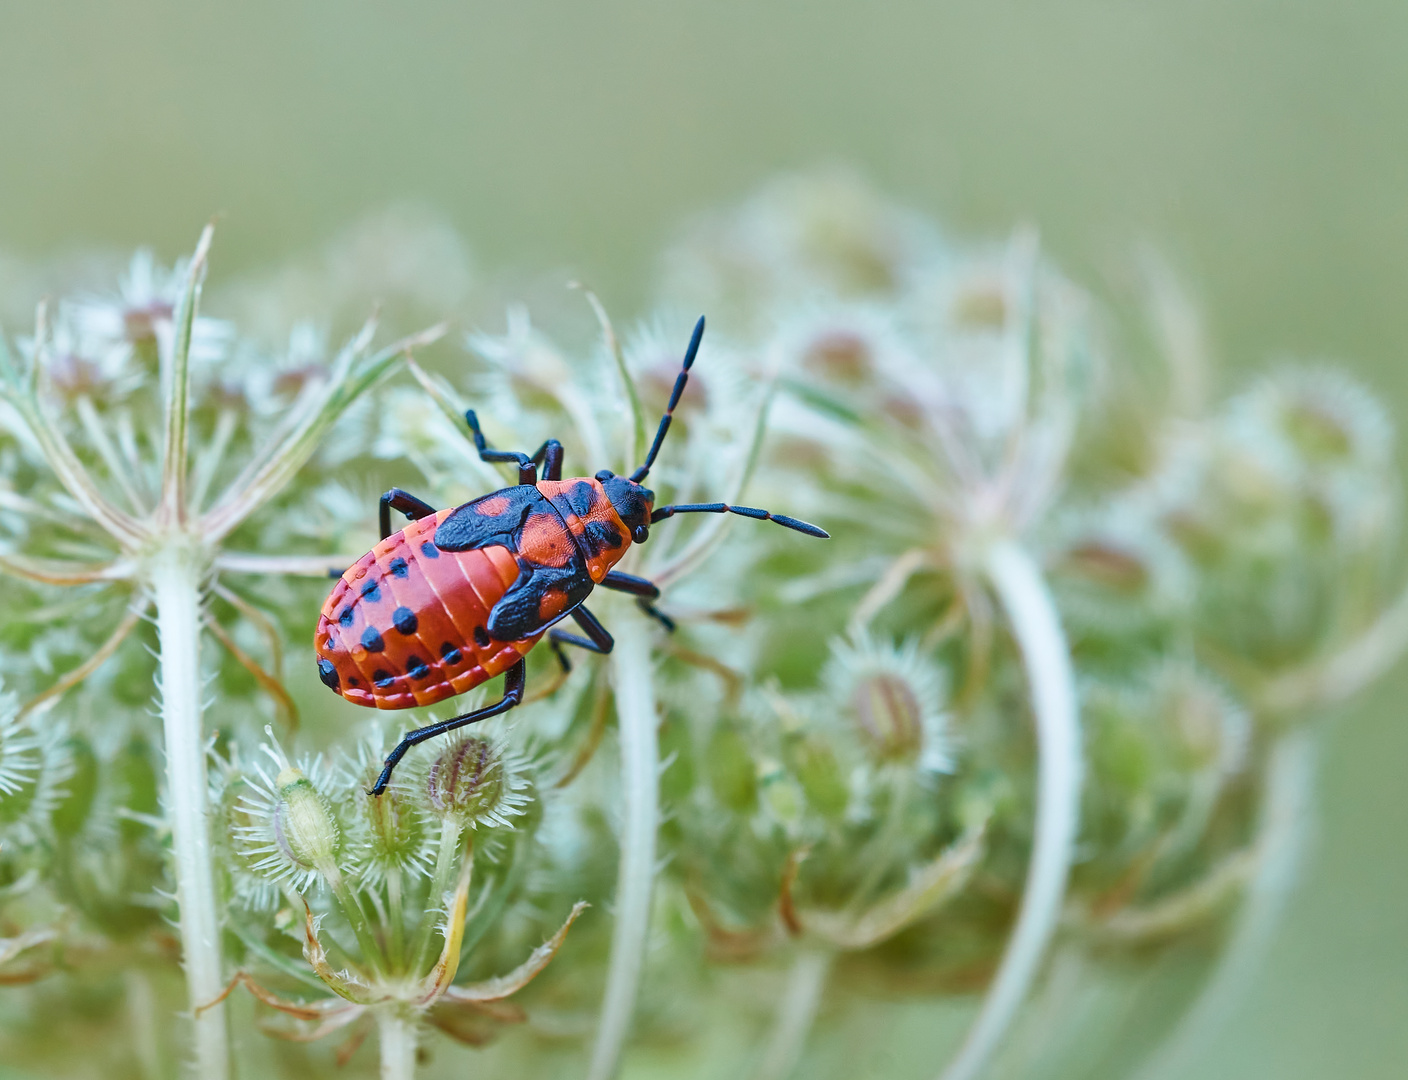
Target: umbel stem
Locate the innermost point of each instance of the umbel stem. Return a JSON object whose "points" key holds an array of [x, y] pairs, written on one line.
{"points": [[1046, 657], [796, 1013], [175, 577], [640, 764], [397, 1035]]}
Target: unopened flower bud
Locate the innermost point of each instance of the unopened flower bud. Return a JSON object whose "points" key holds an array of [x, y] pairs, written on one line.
{"points": [[891, 693], [391, 833], [304, 826], [889, 716], [471, 783], [819, 774]]}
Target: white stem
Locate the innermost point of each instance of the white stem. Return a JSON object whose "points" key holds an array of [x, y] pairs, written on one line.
{"points": [[142, 1015], [796, 1013], [397, 1034], [175, 580], [1287, 807], [1046, 657], [640, 764]]}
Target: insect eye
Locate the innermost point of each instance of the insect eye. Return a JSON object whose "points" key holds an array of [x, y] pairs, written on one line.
{"points": [[640, 534]]}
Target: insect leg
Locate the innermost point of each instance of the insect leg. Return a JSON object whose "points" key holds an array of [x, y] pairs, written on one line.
{"points": [[527, 468], [597, 639], [514, 682], [408, 504], [550, 454], [644, 591], [629, 583]]}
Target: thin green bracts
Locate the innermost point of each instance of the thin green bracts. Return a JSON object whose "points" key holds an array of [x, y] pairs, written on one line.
{"points": [[613, 346], [178, 389], [712, 531], [264, 480]]}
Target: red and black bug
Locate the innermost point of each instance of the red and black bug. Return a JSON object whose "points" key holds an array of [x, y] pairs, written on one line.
{"points": [[460, 596]]}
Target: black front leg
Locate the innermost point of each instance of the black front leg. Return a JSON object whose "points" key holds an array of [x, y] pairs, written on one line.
{"points": [[514, 682], [598, 640], [644, 590], [408, 504]]}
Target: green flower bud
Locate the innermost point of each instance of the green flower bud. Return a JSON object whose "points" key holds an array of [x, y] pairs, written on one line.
{"points": [[473, 782], [304, 826], [891, 693], [390, 834], [889, 715], [283, 829], [819, 774]]}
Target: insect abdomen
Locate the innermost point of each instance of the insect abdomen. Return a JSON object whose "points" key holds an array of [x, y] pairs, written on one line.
{"points": [[405, 625]]}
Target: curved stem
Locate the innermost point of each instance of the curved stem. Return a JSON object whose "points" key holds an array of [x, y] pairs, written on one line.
{"points": [[100, 656], [640, 770], [176, 579], [1287, 805], [1345, 672], [397, 1035], [1047, 660], [796, 1013]]}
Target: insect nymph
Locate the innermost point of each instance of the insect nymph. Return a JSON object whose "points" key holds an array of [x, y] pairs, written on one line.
{"points": [[460, 596]]}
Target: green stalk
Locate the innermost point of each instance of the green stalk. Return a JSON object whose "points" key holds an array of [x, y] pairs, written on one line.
{"points": [[397, 916], [175, 574], [796, 1013], [397, 1035], [640, 774], [446, 867], [1051, 681], [350, 900]]}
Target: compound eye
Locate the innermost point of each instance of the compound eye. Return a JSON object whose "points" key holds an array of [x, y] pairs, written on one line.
{"points": [[640, 534]]}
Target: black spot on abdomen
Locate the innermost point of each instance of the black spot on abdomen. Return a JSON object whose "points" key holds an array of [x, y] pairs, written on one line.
{"points": [[372, 590], [382, 678], [346, 617], [397, 567], [417, 668], [450, 653], [481, 637], [429, 550], [405, 621], [372, 641]]}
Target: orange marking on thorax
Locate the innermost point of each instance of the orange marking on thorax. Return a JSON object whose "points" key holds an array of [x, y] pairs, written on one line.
{"points": [[600, 512]]}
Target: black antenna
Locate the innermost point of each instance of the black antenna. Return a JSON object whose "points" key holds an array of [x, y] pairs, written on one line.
{"points": [[680, 380], [744, 511]]}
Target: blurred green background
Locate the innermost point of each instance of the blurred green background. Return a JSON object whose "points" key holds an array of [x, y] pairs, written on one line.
{"points": [[1262, 147]]}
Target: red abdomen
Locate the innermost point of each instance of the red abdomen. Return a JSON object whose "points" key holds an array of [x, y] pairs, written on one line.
{"points": [[405, 626]]}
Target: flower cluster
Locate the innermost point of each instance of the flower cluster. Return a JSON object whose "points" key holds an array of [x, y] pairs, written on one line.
{"points": [[1030, 720]]}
